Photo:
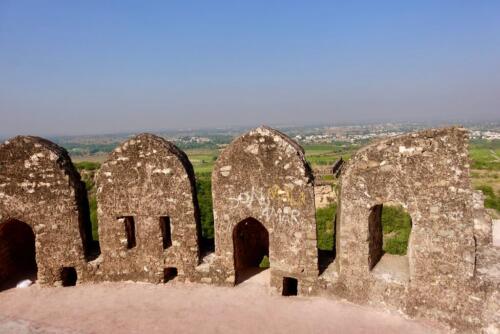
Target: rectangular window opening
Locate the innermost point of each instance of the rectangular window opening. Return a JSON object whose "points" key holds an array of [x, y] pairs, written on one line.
{"points": [[290, 286], [68, 276], [389, 232], [166, 231], [169, 274], [129, 223]]}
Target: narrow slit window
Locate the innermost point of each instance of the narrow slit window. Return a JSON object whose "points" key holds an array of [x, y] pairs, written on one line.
{"points": [[129, 225], [166, 231]]}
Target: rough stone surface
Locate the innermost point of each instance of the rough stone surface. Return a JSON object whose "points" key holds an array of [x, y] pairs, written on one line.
{"points": [[264, 175], [40, 187], [264, 204], [483, 225], [324, 195], [147, 178], [496, 232], [428, 173]]}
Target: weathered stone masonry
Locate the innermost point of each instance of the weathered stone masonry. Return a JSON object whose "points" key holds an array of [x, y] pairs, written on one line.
{"points": [[428, 173], [263, 193], [40, 187], [264, 175], [148, 212]]}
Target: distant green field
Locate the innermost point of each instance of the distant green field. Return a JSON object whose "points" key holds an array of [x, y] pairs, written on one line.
{"points": [[485, 164], [318, 154], [485, 154], [328, 154], [492, 198], [202, 159], [324, 227], [204, 195], [87, 165]]}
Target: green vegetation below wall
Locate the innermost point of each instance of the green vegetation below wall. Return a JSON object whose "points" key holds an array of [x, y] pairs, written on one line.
{"points": [[396, 223], [492, 200], [87, 171], [87, 166], [325, 227], [485, 154], [204, 194], [485, 163], [396, 226]]}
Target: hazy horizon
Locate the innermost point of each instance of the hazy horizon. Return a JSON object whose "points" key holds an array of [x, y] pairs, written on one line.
{"points": [[85, 68], [242, 128]]}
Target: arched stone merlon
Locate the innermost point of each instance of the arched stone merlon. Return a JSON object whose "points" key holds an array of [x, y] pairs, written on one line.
{"points": [[428, 173], [264, 174], [40, 187], [149, 183]]}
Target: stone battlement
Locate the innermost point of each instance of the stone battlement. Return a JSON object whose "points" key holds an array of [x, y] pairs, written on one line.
{"points": [[264, 206]]}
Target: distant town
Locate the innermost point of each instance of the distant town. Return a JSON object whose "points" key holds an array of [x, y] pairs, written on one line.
{"points": [[89, 145]]}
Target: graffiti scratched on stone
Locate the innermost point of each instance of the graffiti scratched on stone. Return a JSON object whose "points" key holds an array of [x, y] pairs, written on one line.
{"points": [[264, 200]]}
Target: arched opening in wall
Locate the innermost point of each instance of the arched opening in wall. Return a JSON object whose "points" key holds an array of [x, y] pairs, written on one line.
{"points": [[389, 229], [17, 253], [251, 249]]}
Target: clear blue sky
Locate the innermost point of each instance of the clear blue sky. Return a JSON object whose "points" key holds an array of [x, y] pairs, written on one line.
{"points": [[69, 67]]}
